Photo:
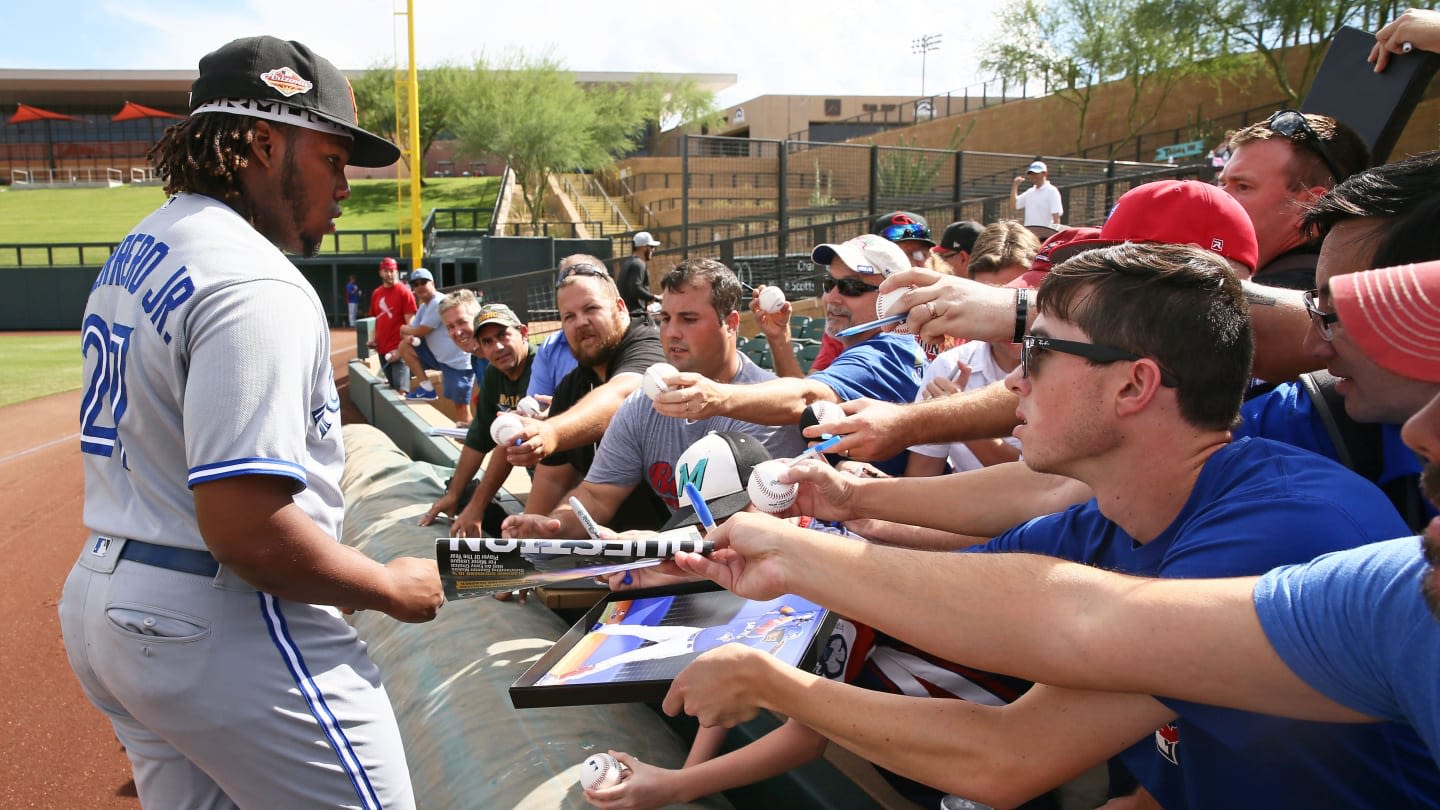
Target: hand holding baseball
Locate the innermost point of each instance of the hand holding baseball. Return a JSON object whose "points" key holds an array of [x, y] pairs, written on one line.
{"points": [[691, 396], [600, 771], [872, 430], [643, 787], [963, 308]]}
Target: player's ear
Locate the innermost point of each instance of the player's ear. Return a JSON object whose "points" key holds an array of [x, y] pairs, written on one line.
{"points": [[264, 142]]}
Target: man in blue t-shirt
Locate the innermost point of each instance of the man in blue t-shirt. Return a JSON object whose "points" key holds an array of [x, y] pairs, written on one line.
{"points": [[1361, 228], [1110, 392], [878, 365]]}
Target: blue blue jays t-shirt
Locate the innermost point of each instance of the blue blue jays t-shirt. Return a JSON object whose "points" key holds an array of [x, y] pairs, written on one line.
{"points": [[1257, 504], [886, 367], [1287, 414], [1353, 625]]}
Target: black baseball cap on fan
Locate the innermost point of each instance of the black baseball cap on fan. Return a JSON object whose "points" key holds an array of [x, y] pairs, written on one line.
{"points": [[279, 80]]}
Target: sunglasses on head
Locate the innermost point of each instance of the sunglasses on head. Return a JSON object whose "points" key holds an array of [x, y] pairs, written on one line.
{"points": [[850, 287], [1291, 123], [580, 269], [1032, 347], [909, 230]]}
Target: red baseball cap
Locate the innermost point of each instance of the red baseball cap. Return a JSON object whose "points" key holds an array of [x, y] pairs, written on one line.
{"points": [[1394, 316], [387, 263], [1045, 257], [1176, 212]]}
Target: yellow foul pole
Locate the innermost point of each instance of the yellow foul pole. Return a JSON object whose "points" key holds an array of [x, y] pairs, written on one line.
{"points": [[417, 168]]}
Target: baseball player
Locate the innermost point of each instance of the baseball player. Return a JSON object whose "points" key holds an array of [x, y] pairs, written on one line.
{"points": [[204, 614]]}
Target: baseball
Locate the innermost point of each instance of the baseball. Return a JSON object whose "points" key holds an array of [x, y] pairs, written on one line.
{"points": [[414, 341], [505, 428], [599, 771], [528, 406], [825, 411], [766, 492], [772, 299], [885, 300], [654, 382]]}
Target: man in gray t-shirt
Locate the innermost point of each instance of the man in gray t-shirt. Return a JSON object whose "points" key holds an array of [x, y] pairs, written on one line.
{"points": [[699, 323]]}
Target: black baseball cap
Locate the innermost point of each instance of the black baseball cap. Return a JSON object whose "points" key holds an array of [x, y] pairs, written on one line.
{"points": [[284, 81], [719, 465], [960, 236]]}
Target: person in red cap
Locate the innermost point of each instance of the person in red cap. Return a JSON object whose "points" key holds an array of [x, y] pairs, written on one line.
{"points": [[1131, 379], [1171, 211], [1350, 637], [391, 305]]}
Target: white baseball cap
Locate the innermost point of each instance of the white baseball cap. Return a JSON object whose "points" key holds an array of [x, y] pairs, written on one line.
{"points": [[644, 239], [866, 254], [1037, 167]]}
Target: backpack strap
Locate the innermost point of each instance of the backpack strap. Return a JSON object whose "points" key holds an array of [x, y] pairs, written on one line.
{"points": [[1357, 445]]}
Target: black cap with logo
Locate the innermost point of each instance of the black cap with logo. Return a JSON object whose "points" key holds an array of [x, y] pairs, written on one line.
{"points": [[277, 80]]}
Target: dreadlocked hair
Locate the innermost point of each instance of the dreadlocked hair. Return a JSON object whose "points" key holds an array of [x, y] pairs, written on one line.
{"points": [[203, 155]]}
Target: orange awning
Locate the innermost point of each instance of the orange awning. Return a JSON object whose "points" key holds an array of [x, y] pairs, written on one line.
{"points": [[132, 111], [25, 113]]}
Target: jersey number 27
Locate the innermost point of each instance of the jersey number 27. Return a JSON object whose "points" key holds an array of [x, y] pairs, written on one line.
{"points": [[106, 385]]}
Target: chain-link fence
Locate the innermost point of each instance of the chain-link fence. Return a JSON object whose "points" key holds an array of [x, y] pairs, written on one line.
{"points": [[761, 206]]}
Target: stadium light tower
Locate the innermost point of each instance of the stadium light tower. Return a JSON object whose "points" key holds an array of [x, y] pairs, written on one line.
{"points": [[924, 45]]}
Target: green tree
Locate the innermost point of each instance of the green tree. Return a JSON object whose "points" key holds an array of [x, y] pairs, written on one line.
{"points": [[376, 93], [1073, 46], [534, 114], [1270, 29]]}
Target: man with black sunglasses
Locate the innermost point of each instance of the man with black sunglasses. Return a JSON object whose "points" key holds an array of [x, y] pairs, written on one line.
{"points": [[874, 364], [1133, 376], [1277, 168]]}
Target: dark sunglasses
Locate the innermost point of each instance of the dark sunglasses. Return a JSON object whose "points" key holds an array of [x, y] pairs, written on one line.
{"points": [[1291, 123], [1032, 346], [850, 287], [909, 230], [580, 269], [1323, 320]]}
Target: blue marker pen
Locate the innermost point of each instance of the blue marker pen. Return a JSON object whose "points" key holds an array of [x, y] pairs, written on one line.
{"points": [[702, 511], [818, 449], [866, 327]]}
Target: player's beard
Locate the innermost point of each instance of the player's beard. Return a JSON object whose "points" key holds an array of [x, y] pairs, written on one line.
{"points": [[309, 245], [608, 343]]}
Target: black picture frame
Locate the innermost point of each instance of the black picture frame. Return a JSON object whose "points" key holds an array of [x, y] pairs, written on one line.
{"points": [[590, 665]]}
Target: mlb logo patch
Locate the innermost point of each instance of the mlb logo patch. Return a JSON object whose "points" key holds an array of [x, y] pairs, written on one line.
{"points": [[101, 547]]}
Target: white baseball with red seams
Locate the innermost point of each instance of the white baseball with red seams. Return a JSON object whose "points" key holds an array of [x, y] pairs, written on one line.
{"points": [[766, 491], [772, 299], [885, 300], [505, 428], [653, 382], [529, 406], [599, 771]]}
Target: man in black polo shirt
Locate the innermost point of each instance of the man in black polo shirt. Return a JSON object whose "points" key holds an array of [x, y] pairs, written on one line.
{"points": [[613, 353], [504, 341]]}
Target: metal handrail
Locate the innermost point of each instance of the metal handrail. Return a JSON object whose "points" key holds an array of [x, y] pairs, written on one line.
{"points": [[620, 218]]}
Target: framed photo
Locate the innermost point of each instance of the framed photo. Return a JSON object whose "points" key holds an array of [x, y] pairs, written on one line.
{"points": [[632, 644]]}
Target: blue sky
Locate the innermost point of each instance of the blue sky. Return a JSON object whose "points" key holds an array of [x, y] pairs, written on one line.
{"points": [[843, 47]]}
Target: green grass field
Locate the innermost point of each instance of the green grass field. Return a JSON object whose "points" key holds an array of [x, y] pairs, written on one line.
{"points": [[37, 365], [107, 214]]}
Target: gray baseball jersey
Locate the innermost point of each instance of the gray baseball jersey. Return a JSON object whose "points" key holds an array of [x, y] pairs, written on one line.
{"points": [[207, 356]]}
